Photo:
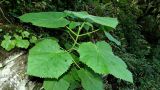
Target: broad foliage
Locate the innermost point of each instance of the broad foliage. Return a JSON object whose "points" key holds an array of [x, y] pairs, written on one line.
{"points": [[88, 60]]}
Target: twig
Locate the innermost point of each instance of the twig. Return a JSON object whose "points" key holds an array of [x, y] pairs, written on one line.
{"points": [[2, 1], [4, 15]]}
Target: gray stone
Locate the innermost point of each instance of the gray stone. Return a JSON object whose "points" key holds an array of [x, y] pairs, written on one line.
{"points": [[12, 73]]}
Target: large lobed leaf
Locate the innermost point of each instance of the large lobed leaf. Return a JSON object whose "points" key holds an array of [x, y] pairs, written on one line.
{"points": [[46, 19], [106, 21], [56, 19], [101, 59], [47, 60]]}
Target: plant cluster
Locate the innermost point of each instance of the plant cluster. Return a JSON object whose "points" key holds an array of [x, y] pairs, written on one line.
{"points": [[82, 62], [138, 32], [20, 39]]}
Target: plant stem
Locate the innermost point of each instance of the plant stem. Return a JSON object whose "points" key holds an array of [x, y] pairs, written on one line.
{"points": [[71, 31], [75, 42], [77, 36], [4, 15], [76, 39], [88, 33], [76, 64], [72, 38], [74, 61]]}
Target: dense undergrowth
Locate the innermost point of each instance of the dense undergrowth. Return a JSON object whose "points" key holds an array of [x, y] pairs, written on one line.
{"points": [[138, 31]]}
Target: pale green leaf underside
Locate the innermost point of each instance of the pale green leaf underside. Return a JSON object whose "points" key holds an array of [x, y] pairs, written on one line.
{"points": [[111, 38], [47, 60], [52, 84], [106, 21], [101, 59], [46, 19], [90, 81]]}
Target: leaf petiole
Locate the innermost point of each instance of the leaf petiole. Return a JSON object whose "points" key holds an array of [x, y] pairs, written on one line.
{"points": [[88, 33], [71, 31]]}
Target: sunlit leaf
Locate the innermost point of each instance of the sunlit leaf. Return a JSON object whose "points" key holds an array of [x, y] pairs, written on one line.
{"points": [[101, 59], [46, 19], [46, 59]]}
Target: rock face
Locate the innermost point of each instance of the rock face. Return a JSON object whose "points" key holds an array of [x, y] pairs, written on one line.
{"points": [[12, 73]]}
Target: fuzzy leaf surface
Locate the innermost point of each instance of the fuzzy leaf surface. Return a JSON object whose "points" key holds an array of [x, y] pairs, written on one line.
{"points": [[101, 59], [46, 19], [106, 21], [47, 60]]}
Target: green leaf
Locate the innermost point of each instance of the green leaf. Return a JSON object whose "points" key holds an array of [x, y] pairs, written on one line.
{"points": [[66, 82], [72, 75], [111, 38], [88, 25], [101, 59], [73, 79], [46, 19], [90, 81], [74, 86], [7, 43], [46, 59], [82, 14], [73, 25], [106, 21], [33, 39], [53, 84], [25, 34], [21, 43]]}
